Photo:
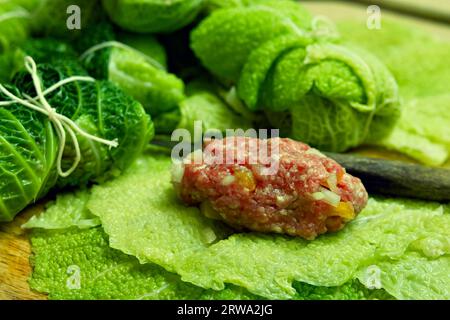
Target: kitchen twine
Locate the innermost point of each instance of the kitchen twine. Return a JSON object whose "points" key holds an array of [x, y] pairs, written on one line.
{"points": [[62, 124], [116, 44]]}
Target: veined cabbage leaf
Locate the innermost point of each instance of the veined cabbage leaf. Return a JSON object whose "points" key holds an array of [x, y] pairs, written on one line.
{"points": [[106, 273], [51, 18], [45, 50], [28, 149], [79, 264], [14, 23], [99, 108], [166, 16], [245, 29], [143, 77], [418, 61], [29, 142], [149, 223], [331, 96], [203, 104], [68, 210]]}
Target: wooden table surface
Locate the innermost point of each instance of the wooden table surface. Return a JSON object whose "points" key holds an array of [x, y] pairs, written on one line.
{"points": [[14, 245], [15, 251]]}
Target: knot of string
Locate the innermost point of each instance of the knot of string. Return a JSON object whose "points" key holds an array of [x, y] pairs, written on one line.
{"points": [[62, 125]]}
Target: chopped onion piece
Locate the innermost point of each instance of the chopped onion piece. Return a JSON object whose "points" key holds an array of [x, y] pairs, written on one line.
{"points": [[332, 182], [209, 236], [330, 197], [208, 211], [229, 179], [318, 195]]}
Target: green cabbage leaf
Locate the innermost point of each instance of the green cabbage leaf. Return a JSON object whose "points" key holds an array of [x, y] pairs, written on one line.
{"points": [[285, 63], [203, 104], [68, 210], [142, 217], [28, 151], [244, 31], [138, 68], [412, 277], [166, 16], [79, 264], [50, 18], [14, 29], [419, 63], [14, 24], [30, 144]]}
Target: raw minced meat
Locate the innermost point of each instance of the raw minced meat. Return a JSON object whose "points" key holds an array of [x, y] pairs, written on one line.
{"points": [[309, 193]]}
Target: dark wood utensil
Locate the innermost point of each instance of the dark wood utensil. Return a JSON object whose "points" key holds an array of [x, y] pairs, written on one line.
{"points": [[397, 178]]}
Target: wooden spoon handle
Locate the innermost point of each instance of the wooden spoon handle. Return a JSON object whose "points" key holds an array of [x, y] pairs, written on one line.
{"points": [[396, 178]]}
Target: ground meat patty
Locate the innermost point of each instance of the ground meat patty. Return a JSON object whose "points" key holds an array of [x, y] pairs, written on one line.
{"points": [[309, 194]]}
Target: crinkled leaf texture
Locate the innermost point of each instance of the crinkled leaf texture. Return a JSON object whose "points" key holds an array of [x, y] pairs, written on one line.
{"points": [[14, 23], [138, 69], [79, 264], [245, 30], [67, 211], [101, 109], [142, 217], [29, 143], [331, 96], [166, 16], [202, 104], [28, 148], [412, 277], [76, 262], [418, 61]]}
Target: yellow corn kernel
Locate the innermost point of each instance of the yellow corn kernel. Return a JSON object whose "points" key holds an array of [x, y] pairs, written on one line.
{"points": [[344, 210], [245, 179]]}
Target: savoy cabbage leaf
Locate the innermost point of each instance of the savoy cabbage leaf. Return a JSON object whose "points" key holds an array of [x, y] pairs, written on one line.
{"points": [[166, 16], [418, 61], [28, 151], [50, 18], [310, 86], [136, 67], [99, 108], [68, 210], [149, 223], [79, 264], [59, 257], [244, 31], [203, 104], [14, 24], [30, 143]]}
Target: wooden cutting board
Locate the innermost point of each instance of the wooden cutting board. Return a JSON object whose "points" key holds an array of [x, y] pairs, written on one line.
{"points": [[15, 250]]}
